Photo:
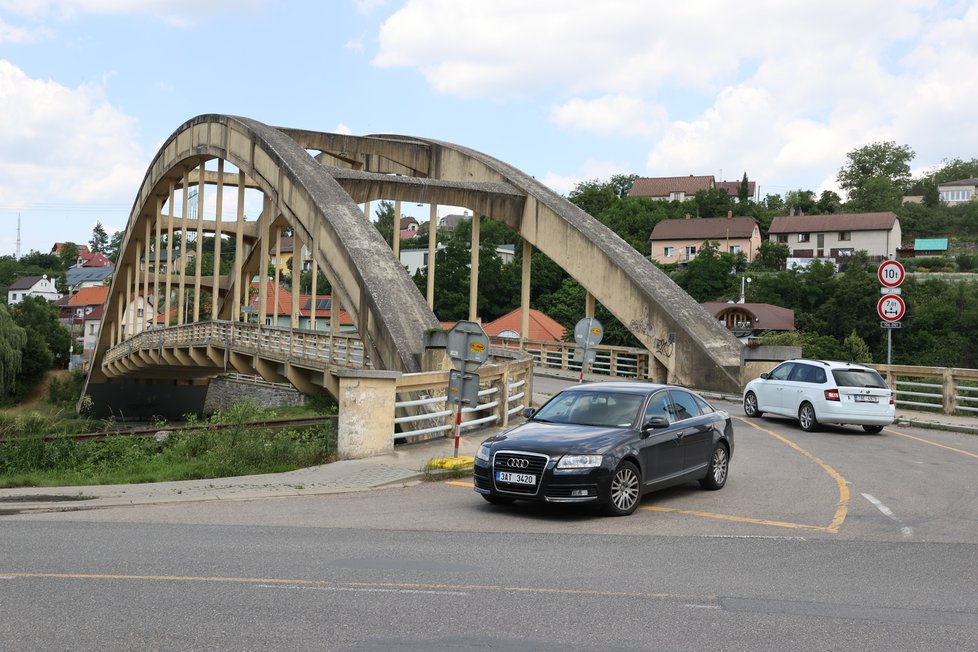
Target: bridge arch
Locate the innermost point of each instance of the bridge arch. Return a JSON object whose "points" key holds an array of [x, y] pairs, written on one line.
{"points": [[313, 183]]}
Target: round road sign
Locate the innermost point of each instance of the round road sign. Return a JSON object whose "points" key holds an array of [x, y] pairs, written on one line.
{"points": [[891, 273], [891, 307]]}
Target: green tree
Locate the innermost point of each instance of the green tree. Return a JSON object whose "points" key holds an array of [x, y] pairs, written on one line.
{"points": [[594, 196], [100, 239], [856, 349], [13, 338], [876, 176], [829, 202], [743, 191], [115, 244], [775, 204], [712, 203], [802, 201], [771, 256], [709, 276], [385, 222], [38, 316]]}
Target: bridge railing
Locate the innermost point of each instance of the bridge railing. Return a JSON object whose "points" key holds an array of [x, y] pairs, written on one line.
{"points": [[503, 392], [316, 347], [617, 361], [940, 389]]}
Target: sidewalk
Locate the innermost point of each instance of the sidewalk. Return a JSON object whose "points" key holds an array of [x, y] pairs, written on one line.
{"points": [[398, 469]]}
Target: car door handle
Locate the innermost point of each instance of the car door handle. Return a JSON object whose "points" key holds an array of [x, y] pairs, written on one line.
{"points": [[680, 434]]}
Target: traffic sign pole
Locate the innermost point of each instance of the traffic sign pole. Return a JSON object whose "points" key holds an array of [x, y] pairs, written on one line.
{"points": [[891, 306]]}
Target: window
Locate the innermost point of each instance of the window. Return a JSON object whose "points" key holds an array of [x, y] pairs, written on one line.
{"points": [[845, 236], [686, 407], [735, 249], [139, 312], [956, 195], [802, 237], [782, 371], [782, 237], [668, 252], [659, 406], [690, 252]]}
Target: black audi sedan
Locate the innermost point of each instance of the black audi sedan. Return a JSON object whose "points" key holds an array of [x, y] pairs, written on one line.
{"points": [[607, 443]]}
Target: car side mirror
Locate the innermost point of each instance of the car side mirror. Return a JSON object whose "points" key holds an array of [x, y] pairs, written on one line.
{"points": [[764, 375], [655, 423], [528, 412]]}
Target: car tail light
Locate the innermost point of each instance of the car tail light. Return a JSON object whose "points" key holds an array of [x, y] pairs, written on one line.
{"points": [[891, 399], [831, 395]]}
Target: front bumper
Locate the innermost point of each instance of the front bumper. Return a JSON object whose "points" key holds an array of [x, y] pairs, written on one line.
{"points": [[551, 485]]}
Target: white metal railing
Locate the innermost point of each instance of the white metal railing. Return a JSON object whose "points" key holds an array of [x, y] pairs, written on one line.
{"points": [[425, 410], [297, 345]]}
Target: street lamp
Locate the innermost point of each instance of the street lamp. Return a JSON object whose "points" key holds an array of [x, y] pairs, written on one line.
{"points": [[743, 280]]}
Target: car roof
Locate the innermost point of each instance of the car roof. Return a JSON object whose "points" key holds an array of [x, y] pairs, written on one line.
{"points": [[620, 387], [834, 364]]}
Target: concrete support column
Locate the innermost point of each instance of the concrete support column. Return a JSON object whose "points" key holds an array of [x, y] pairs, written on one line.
{"points": [[184, 249], [525, 293], [432, 250], [240, 284], [396, 241], [199, 242], [170, 261], [365, 426], [474, 270], [589, 305], [218, 210]]}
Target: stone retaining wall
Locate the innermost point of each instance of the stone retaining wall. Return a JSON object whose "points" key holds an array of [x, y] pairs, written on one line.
{"points": [[222, 392]]}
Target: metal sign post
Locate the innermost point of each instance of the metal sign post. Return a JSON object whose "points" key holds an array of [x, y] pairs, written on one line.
{"points": [[891, 307], [468, 349], [587, 333]]}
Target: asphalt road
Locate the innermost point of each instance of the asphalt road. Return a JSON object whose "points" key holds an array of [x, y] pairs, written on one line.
{"points": [[820, 541]]}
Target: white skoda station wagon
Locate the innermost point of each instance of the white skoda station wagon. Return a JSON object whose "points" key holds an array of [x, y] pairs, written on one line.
{"points": [[822, 391]]}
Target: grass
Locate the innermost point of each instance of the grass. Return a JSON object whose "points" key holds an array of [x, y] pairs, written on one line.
{"points": [[28, 460]]}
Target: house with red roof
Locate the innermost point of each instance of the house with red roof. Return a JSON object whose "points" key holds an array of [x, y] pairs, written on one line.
{"points": [[751, 319], [542, 327]]}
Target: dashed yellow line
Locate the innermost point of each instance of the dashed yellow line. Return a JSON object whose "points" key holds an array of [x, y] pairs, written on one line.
{"points": [[931, 443]]}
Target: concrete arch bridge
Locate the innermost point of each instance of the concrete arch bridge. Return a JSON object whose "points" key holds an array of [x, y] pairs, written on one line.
{"points": [[183, 308]]}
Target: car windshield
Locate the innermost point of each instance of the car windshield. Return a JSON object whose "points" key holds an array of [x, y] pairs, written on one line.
{"points": [[592, 409], [858, 378]]}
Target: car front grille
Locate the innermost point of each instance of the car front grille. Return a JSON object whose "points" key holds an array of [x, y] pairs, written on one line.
{"points": [[517, 462]]}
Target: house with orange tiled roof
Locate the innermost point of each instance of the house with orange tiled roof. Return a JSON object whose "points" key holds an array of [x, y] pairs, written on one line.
{"points": [[278, 310], [542, 327], [82, 314]]}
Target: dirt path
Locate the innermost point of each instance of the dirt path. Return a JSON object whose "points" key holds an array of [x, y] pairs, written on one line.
{"points": [[40, 392]]}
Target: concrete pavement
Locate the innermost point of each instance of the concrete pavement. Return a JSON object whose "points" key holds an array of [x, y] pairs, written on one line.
{"points": [[401, 468]]}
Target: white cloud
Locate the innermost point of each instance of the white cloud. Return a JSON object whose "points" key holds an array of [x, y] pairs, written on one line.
{"points": [[782, 90], [591, 170], [12, 34], [63, 145], [612, 114], [343, 129]]}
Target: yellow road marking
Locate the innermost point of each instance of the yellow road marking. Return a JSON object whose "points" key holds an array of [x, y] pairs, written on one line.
{"points": [[842, 506], [736, 519], [460, 484], [932, 443]]}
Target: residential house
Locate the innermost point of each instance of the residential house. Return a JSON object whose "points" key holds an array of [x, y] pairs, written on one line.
{"points": [[838, 236], [278, 310], [415, 259], [751, 319], [409, 227], [93, 259], [449, 223], [671, 188], [32, 286], [678, 241], [542, 327], [958, 192], [84, 311], [140, 314], [732, 188], [87, 277], [929, 247]]}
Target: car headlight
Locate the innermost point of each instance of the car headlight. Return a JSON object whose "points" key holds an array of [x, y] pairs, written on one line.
{"points": [[579, 461], [483, 453]]}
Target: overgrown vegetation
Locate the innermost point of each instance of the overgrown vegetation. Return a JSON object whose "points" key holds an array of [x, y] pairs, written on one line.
{"points": [[226, 446]]}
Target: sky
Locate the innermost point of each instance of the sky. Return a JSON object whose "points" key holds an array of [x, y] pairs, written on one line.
{"points": [[565, 90]]}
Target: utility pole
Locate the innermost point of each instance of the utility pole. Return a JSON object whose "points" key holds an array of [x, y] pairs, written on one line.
{"points": [[17, 250]]}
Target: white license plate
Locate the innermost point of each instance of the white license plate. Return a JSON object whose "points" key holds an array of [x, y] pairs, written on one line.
{"points": [[866, 399], [515, 478]]}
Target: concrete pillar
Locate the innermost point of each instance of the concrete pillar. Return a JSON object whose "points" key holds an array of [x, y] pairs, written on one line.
{"points": [[525, 293], [432, 250], [474, 270], [365, 426]]}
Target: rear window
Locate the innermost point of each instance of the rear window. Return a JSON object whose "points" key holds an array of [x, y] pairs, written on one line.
{"points": [[858, 378]]}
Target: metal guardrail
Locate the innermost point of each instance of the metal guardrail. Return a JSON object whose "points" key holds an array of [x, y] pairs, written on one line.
{"points": [[298, 345]]}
